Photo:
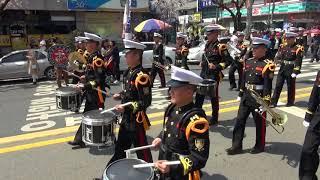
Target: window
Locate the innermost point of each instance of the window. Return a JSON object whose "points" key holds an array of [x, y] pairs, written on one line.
{"points": [[21, 56], [40, 55]]}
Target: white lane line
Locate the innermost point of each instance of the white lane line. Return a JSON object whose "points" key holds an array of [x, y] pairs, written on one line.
{"points": [[293, 110]]}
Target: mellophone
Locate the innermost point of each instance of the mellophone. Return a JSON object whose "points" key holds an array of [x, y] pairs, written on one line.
{"points": [[132, 168]]}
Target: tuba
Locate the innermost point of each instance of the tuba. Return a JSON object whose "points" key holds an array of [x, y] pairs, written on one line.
{"points": [[73, 58], [277, 118]]}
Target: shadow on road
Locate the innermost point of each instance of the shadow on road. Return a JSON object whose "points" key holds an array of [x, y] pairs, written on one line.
{"points": [[302, 104], [290, 151], [207, 176]]}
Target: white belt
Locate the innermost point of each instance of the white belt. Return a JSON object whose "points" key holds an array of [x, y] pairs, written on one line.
{"points": [[288, 62], [254, 86]]}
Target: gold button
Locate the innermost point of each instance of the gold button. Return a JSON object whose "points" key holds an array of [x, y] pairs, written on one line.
{"points": [[171, 123], [165, 129], [169, 135], [177, 112]]}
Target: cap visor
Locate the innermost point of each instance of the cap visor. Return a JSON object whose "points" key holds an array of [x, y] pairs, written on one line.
{"points": [[174, 83]]}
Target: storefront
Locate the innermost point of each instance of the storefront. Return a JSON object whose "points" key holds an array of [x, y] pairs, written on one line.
{"points": [[294, 12]]}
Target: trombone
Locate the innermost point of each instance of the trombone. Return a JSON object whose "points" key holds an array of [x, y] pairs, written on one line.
{"points": [[278, 119], [161, 66]]}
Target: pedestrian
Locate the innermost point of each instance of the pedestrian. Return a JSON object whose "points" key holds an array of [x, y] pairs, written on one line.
{"points": [[33, 66], [185, 133], [315, 43]]}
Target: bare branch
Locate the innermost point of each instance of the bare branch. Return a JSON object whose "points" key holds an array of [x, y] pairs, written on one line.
{"points": [[3, 5]]}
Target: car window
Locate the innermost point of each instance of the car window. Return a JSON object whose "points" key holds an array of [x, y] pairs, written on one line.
{"points": [[17, 57], [40, 55]]}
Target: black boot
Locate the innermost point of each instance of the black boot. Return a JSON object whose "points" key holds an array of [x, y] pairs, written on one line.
{"points": [[234, 150], [256, 150]]}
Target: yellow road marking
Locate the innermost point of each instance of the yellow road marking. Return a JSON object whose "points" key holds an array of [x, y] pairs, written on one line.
{"points": [[72, 129]]}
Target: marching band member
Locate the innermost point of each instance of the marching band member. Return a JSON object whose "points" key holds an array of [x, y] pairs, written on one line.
{"points": [[258, 75], [137, 89], [94, 78], [185, 134], [309, 160], [290, 55], [80, 43], [214, 60], [237, 65], [181, 51], [158, 53]]}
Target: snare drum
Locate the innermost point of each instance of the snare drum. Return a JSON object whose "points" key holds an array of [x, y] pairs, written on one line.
{"points": [[123, 170], [98, 129], [207, 88], [68, 98]]}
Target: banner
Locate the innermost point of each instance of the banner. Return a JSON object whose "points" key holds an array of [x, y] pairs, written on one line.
{"points": [[106, 4]]}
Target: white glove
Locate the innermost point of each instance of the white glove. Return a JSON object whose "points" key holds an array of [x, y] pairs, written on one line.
{"points": [[238, 98], [293, 75], [305, 124]]}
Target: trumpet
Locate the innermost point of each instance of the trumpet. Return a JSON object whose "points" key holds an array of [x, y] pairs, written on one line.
{"points": [[277, 118], [161, 66]]}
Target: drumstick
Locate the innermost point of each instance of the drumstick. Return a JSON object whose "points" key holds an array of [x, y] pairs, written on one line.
{"points": [[140, 148], [71, 73], [113, 108], [169, 163]]}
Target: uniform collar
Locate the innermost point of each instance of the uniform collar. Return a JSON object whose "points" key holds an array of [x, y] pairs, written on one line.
{"points": [[136, 67], [184, 108]]}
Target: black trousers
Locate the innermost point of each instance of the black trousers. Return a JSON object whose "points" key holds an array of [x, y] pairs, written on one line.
{"points": [[153, 74], [116, 71], [127, 138], [233, 68], [214, 103], [291, 84], [244, 111], [315, 49]]}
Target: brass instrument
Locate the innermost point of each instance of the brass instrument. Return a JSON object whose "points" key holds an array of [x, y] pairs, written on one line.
{"points": [[277, 118], [76, 56], [160, 66], [233, 51]]}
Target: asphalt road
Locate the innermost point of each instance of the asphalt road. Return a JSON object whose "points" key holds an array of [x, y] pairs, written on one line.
{"points": [[33, 135]]}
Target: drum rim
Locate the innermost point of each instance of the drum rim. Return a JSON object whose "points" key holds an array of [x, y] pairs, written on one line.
{"points": [[99, 121], [72, 92], [105, 170]]}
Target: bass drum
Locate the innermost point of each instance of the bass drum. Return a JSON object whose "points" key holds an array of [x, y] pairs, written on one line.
{"points": [[123, 170]]}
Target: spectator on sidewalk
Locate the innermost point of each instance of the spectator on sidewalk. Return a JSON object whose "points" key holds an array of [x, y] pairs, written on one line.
{"points": [[33, 66]]}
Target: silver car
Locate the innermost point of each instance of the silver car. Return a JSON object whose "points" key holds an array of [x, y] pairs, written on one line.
{"points": [[148, 56], [14, 65]]}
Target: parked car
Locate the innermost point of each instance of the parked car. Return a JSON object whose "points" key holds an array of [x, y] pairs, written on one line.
{"points": [[148, 56], [14, 65], [195, 53]]}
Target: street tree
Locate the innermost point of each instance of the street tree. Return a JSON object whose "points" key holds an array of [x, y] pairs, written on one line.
{"points": [[167, 9], [3, 5], [234, 8]]}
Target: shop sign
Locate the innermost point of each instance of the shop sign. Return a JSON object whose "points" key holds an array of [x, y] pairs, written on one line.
{"points": [[5, 40], [206, 3], [197, 17], [17, 29]]}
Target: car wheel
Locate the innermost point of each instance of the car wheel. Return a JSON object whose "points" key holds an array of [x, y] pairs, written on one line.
{"points": [[50, 73], [168, 60]]}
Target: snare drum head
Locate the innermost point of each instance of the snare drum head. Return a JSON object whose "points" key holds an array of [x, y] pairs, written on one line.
{"points": [[95, 116], [66, 91], [208, 81], [123, 170]]}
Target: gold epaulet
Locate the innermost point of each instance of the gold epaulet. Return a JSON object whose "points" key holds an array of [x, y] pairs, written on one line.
{"points": [[142, 79], [222, 47], [197, 124], [300, 49], [80, 51], [269, 66]]}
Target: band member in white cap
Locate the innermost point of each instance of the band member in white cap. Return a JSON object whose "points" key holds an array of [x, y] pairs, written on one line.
{"points": [[94, 78], [185, 134], [258, 75], [181, 51], [80, 43], [215, 59], [289, 57], [158, 54], [309, 160], [137, 89]]}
